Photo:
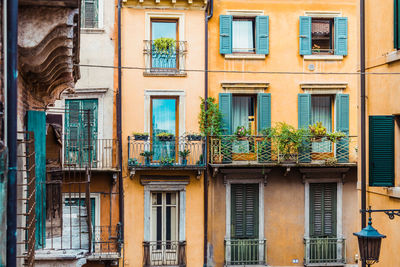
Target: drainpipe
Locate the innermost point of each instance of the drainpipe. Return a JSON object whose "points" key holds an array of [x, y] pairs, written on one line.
{"points": [[119, 131], [208, 16], [12, 74], [363, 133]]}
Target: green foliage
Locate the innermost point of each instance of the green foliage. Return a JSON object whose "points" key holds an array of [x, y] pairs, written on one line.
{"points": [[132, 162], [334, 137], [317, 129], [167, 160], [147, 154], [164, 134], [210, 121], [241, 131], [184, 153], [165, 46], [140, 134]]}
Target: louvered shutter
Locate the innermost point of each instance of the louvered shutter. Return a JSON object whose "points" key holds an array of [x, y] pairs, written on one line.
{"points": [[342, 125], [341, 36], [225, 34], [304, 120], [225, 106], [264, 111], [323, 209], [90, 13], [262, 35], [305, 35], [244, 206], [381, 151]]}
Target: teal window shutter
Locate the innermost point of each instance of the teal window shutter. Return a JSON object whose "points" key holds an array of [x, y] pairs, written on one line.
{"points": [[263, 111], [342, 125], [381, 151], [225, 34], [36, 122], [225, 106], [262, 35], [323, 209], [341, 36], [304, 120], [305, 35]]}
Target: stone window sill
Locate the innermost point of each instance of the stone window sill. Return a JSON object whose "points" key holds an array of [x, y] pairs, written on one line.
{"points": [[92, 30], [244, 56], [323, 57], [393, 56], [164, 74], [393, 192]]}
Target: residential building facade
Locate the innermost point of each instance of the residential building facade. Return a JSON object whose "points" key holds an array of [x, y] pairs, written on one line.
{"points": [[272, 202], [162, 151], [382, 121]]}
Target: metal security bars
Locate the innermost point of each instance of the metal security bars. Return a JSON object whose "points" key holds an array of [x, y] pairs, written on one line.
{"points": [[164, 253], [324, 251], [245, 251], [169, 59], [151, 152], [226, 149]]}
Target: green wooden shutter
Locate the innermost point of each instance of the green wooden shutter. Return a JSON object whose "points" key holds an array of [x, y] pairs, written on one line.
{"points": [[225, 106], [36, 122], [342, 125], [89, 14], [396, 24], [323, 209], [244, 210], [225, 34], [381, 151], [305, 35], [304, 120], [262, 35], [341, 36], [264, 111]]}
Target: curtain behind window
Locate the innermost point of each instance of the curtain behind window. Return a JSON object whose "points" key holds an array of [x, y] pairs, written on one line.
{"points": [[243, 40], [321, 111]]}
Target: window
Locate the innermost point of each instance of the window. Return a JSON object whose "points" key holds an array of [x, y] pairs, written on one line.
{"points": [[396, 24], [90, 14], [164, 57], [243, 112], [323, 35], [164, 216], [381, 150], [321, 111], [244, 35], [323, 209], [164, 114]]}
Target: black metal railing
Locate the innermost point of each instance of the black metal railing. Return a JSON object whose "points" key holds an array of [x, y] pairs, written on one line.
{"points": [[167, 59], [226, 149], [155, 152], [245, 251], [106, 241], [164, 253], [324, 250]]}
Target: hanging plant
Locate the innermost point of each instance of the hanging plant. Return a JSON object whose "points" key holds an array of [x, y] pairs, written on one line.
{"points": [[164, 46]]}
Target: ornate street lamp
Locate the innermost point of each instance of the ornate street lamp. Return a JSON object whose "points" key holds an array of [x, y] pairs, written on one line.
{"points": [[369, 242]]}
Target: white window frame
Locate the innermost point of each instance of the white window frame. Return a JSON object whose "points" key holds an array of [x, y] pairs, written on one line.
{"points": [[100, 17]]}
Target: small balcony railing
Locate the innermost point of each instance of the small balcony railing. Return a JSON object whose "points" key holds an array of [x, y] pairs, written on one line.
{"points": [[324, 251], [165, 153], [106, 242], [94, 153], [171, 60], [227, 149], [245, 252], [164, 253]]}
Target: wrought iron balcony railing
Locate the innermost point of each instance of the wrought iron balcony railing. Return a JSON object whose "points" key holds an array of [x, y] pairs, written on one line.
{"points": [[152, 152], [245, 252], [324, 251], [98, 153], [164, 253], [106, 242], [170, 59], [227, 149]]}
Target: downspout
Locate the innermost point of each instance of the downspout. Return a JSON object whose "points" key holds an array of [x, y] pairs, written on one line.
{"points": [[363, 133], [208, 16], [12, 74], [4, 20], [119, 131]]}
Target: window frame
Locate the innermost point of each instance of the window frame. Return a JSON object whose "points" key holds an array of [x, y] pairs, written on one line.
{"points": [[332, 36], [255, 110], [100, 16], [244, 18]]}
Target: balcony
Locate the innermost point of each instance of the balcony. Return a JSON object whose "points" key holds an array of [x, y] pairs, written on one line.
{"points": [[153, 153], [106, 243], [100, 155], [260, 150], [164, 253], [324, 252], [169, 62], [245, 252]]}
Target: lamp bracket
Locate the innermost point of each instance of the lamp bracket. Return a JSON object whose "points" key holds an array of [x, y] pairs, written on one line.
{"points": [[389, 212]]}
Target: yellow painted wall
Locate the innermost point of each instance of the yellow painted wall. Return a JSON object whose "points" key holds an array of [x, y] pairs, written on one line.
{"points": [[134, 85], [383, 92]]}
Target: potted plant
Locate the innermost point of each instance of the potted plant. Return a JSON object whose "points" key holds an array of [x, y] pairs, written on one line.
{"points": [[193, 137], [210, 120], [200, 162], [183, 154], [164, 46], [167, 161], [317, 132], [241, 132], [164, 136], [335, 136], [132, 163], [147, 157], [140, 136]]}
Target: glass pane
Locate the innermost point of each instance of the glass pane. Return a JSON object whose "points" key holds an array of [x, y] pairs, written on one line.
{"points": [[321, 111], [165, 29], [243, 38], [322, 35], [163, 59], [171, 224], [164, 121]]}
